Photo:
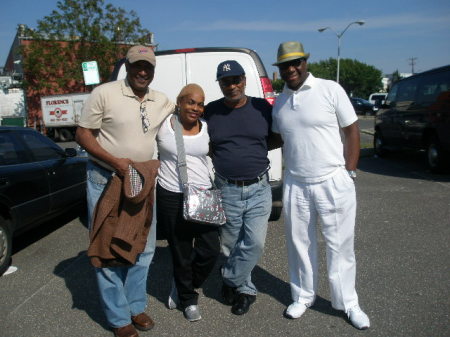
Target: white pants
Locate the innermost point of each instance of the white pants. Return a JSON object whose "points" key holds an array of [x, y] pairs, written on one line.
{"points": [[333, 201]]}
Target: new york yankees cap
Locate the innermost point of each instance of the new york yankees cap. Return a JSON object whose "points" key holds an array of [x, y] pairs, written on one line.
{"points": [[229, 68]]}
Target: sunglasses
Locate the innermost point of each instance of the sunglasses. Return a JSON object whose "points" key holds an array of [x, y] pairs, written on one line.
{"points": [[227, 81], [294, 63], [144, 117]]}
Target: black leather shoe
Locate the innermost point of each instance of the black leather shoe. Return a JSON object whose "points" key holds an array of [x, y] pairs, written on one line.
{"points": [[242, 304], [228, 294]]}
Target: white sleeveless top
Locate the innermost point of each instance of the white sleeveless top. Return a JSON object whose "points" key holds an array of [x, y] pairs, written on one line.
{"points": [[196, 148]]}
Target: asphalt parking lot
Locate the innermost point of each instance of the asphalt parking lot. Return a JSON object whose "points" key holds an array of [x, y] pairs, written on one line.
{"points": [[402, 235]]}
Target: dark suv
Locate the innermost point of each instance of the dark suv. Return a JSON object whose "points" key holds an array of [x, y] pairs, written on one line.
{"points": [[417, 115], [38, 180]]}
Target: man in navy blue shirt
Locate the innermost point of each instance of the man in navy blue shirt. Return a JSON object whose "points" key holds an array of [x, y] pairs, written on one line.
{"points": [[239, 128]]}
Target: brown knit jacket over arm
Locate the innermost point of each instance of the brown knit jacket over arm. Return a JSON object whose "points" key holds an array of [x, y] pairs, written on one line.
{"points": [[122, 221]]}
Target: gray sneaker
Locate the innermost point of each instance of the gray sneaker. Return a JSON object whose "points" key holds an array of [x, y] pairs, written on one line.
{"points": [[192, 313], [172, 301]]}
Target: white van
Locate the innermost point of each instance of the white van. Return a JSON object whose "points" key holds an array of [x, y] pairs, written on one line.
{"points": [[176, 68]]}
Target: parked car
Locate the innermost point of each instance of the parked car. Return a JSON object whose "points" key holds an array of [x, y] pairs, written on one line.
{"points": [[176, 68], [378, 98], [363, 107], [38, 180], [417, 116]]}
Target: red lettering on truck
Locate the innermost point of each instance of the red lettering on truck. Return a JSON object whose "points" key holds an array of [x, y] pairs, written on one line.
{"points": [[57, 101]]}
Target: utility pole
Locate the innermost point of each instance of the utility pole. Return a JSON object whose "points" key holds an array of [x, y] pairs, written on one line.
{"points": [[412, 62]]}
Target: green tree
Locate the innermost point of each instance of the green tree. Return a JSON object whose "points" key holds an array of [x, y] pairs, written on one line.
{"points": [[278, 85], [77, 31], [357, 78], [324, 69], [396, 77]]}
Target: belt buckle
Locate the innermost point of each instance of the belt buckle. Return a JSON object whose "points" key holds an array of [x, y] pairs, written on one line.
{"points": [[240, 183]]}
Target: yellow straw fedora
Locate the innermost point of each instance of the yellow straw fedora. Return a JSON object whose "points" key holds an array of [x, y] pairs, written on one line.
{"points": [[288, 51]]}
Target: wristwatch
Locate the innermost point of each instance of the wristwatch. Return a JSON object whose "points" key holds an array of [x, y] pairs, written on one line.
{"points": [[352, 174]]}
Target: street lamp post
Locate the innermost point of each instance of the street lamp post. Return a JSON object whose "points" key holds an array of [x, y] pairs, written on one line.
{"points": [[339, 35]]}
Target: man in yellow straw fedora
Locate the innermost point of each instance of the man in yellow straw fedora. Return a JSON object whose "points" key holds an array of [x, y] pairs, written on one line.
{"points": [[320, 170]]}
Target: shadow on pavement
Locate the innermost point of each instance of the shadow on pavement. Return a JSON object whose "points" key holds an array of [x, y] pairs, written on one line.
{"points": [[324, 306], [82, 285], [268, 284], [160, 275], [35, 234], [159, 278]]}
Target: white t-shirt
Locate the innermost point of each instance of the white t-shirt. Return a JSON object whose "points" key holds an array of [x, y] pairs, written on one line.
{"points": [[309, 121], [196, 148]]}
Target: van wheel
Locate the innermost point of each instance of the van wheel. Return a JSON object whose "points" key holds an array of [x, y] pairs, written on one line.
{"points": [[5, 245], [378, 144], [65, 135], [435, 155]]}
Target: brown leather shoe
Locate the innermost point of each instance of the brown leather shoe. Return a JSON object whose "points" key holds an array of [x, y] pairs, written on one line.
{"points": [[126, 331], [142, 322]]}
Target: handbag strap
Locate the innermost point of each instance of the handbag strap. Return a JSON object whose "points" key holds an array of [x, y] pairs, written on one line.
{"points": [[181, 153]]}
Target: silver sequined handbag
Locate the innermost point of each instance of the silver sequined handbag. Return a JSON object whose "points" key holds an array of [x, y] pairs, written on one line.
{"points": [[199, 205], [203, 205]]}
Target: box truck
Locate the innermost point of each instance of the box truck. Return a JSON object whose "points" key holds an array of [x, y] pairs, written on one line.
{"points": [[61, 113]]}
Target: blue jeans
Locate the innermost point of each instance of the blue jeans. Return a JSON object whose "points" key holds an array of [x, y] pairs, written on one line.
{"points": [[247, 209], [123, 290]]}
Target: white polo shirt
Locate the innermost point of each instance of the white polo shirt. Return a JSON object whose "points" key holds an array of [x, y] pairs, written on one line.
{"points": [[309, 120]]}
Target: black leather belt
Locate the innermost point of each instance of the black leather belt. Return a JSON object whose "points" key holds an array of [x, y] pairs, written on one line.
{"points": [[246, 182]]}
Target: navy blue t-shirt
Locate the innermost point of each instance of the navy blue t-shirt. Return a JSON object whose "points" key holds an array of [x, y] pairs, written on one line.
{"points": [[239, 137]]}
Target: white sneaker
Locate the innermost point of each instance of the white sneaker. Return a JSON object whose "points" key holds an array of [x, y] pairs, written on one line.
{"points": [[296, 310], [172, 301], [358, 318], [192, 313]]}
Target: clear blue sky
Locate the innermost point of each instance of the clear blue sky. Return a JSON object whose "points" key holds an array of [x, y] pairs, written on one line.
{"points": [[395, 30]]}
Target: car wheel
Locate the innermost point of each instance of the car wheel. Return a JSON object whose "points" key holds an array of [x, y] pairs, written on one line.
{"points": [[378, 144], [275, 214], [435, 155], [5, 245]]}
